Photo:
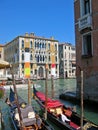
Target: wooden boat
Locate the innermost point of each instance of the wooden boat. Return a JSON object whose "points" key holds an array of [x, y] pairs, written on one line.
{"points": [[30, 119], [54, 112]]}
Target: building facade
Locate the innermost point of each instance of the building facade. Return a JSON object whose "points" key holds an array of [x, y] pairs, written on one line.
{"points": [[86, 30], [67, 57], [30, 54], [2, 58]]}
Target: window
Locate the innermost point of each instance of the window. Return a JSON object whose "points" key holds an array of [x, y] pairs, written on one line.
{"points": [[49, 58], [38, 44], [31, 45], [35, 71], [22, 56], [40, 58], [43, 45], [31, 66], [56, 47], [23, 72], [49, 46], [85, 6], [22, 66], [22, 43], [43, 58], [31, 57], [0, 54], [87, 45], [65, 55], [27, 49], [56, 58], [35, 44]]}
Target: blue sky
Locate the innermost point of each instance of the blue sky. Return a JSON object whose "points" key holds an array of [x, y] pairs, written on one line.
{"points": [[43, 17]]}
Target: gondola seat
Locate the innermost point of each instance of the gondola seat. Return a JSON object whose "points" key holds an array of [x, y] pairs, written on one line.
{"points": [[28, 116]]}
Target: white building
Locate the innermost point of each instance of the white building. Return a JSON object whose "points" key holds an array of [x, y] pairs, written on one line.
{"points": [[30, 54], [67, 57]]}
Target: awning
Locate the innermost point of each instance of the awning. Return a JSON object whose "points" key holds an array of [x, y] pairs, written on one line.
{"points": [[4, 64]]}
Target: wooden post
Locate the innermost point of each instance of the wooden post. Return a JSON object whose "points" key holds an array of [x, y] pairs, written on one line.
{"points": [[16, 98], [52, 86], [46, 93], [29, 92], [82, 100]]}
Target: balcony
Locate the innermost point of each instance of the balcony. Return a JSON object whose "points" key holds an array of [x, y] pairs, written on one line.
{"points": [[85, 22]]}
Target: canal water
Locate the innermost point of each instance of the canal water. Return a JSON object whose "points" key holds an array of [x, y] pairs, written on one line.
{"points": [[60, 86]]}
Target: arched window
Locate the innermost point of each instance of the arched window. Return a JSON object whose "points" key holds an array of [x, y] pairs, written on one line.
{"points": [[22, 56], [40, 58], [38, 45], [31, 57], [22, 66], [56, 58], [49, 58], [22, 43], [31, 44], [35, 45], [55, 46], [43, 45], [31, 66], [49, 46], [43, 58], [37, 58]]}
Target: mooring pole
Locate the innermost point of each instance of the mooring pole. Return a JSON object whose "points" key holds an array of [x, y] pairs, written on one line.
{"points": [[82, 100], [52, 86], [29, 92], [16, 98], [46, 92]]}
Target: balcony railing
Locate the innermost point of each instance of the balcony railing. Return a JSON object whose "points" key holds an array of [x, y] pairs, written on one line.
{"points": [[85, 22]]}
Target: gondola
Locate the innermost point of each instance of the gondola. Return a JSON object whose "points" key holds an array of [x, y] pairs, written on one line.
{"points": [[30, 119], [55, 109]]}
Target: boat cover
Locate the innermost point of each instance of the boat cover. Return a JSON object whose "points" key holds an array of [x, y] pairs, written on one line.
{"points": [[41, 96], [50, 103], [54, 104]]}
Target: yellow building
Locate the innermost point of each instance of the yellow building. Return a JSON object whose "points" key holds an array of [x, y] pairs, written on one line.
{"points": [[29, 54]]}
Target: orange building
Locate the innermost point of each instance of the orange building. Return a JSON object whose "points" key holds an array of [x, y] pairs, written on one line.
{"points": [[86, 30]]}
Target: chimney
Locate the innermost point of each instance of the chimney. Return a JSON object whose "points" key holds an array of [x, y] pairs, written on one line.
{"points": [[31, 34], [26, 34], [52, 38]]}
